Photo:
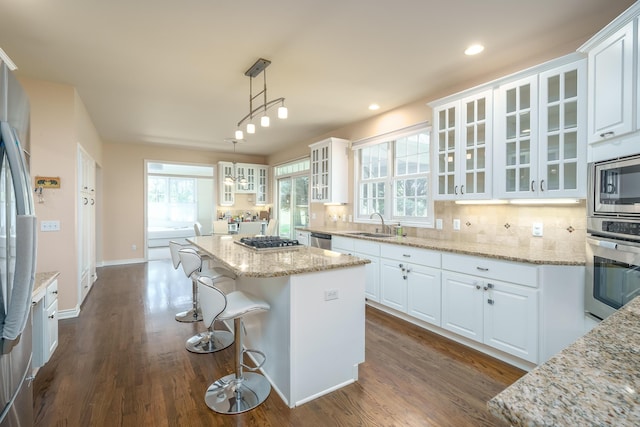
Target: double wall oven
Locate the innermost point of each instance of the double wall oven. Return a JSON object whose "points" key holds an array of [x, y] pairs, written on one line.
{"points": [[613, 239]]}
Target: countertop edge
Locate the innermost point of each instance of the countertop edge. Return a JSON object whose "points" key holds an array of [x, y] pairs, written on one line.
{"points": [[42, 280]]}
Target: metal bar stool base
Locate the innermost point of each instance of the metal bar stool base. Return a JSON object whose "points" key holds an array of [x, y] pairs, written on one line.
{"points": [[189, 316], [209, 342], [229, 395]]}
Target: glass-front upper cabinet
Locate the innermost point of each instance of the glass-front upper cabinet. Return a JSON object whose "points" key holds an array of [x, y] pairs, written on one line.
{"points": [[563, 137], [540, 134], [516, 132], [463, 132]]}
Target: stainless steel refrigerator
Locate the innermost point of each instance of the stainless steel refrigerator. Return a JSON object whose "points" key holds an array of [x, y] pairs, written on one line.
{"points": [[17, 255]]}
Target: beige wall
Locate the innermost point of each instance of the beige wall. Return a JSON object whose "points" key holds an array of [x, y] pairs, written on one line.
{"points": [[123, 192], [59, 121]]}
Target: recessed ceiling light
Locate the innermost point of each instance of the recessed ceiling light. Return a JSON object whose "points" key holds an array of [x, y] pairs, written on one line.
{"points": [[374, 107], [474, 49]]}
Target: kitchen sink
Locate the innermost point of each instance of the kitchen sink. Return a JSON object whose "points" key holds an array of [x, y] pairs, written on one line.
{"points": [[366, 234]]}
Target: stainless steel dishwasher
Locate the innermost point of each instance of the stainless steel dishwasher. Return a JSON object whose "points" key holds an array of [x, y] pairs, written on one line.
{"points": [[320, 240]]}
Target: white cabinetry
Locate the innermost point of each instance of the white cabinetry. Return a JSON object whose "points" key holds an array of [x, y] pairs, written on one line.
{"points": [[613, 87], [539, 127], [87, 199], [611, 84], [329, 169], [410, 281], [261, 185], [367, 250], [463, 132], [255, 182], [302, 237], [483, 308], [45, 325]]}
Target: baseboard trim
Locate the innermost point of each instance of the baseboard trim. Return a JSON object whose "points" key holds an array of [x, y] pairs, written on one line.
{"points": [[123, 262], [69, 314]]}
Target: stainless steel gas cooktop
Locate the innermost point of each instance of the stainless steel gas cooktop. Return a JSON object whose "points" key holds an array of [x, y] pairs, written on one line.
{"points": [[268, 243]]}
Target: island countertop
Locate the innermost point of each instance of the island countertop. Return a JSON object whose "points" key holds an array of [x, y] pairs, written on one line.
{"points": [[247, 262], [593, 382]]}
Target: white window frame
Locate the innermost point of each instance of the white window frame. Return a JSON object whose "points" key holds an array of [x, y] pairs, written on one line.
{"points": [[392, 178]]}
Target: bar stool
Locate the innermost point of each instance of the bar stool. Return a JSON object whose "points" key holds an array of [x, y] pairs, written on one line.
{"points": [[241, 391], [211, 340], [192, 270]]}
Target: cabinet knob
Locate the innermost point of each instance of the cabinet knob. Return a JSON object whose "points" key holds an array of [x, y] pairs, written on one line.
{"points": [[52, 316], [478, 286], [607, 134], [54, 292], [490, 301]]}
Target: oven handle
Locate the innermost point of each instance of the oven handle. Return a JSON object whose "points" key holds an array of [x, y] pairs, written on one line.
{"points": [[612, 244]]}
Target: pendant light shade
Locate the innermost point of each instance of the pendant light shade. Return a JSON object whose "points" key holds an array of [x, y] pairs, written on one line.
{"points": [[251, 128], [239, 134], [265, 121], [283, 112]]}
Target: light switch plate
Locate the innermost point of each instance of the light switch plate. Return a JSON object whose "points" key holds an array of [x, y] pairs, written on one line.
{"points": [[456, 224]]}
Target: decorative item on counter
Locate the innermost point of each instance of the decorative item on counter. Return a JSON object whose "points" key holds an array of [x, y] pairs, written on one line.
{"points": [[399, 230]]}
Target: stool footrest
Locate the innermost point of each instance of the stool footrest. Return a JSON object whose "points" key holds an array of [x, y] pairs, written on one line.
{"points": [[264, 359]]}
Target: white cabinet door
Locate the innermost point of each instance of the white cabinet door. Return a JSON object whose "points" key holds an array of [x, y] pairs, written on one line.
{"points": [[463, 133], [462, 305], [423, 293], [52, 329], [372, 284], [248, 184], [562, 147], [302, 237], [393, 286], [446, 130], [517, 138], [261, 185], [329, 169], [511, 319], [227, 193], [610, 86]]}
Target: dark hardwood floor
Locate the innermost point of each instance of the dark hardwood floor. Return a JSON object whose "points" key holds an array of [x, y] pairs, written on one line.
{"points": [[122, 362]]}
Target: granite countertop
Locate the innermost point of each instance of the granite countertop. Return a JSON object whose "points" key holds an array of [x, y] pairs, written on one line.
{"points": [[507, 253], [247, 262], [593, 382], [40, 286]]}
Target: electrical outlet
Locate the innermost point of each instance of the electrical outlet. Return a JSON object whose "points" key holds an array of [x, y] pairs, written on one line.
{"points": [[536, 230], [456, 224], [330, 294], [134, 248], [439, 224], [49, 225]]}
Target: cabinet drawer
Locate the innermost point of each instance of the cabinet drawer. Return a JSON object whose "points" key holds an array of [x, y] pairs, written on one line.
{"points": [[507, 271], [365, 247], [410, 254], [52, 293], [343, 243]]}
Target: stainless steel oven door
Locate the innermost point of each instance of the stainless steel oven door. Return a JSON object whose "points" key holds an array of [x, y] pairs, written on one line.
{"points": [[614, 187], [613, 275]]}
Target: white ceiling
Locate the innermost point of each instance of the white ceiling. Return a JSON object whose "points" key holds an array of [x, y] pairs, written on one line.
{"points": [[172, 71]]}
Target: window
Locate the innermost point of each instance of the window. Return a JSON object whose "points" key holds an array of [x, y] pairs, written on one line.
{"points": [[393, 177]]}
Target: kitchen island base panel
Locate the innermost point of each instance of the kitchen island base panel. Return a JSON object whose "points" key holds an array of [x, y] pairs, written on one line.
{"points": [[313, 334]]}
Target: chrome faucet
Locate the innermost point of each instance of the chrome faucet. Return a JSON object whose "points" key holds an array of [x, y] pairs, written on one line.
{"points": [[381, 220]]}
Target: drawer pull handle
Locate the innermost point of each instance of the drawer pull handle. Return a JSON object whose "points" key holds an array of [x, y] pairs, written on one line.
{"points": [[482, 268], [490, 302], [406, 255], [607, 134]]}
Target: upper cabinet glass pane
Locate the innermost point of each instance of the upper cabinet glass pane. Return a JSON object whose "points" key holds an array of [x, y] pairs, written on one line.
{"points": [[482, 114], [471, 116], [525, 97], [571, 84], [553, 89], [511, 100]]}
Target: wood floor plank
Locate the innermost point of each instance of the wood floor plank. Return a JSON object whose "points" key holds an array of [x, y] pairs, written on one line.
{"points": [[122, 362]]}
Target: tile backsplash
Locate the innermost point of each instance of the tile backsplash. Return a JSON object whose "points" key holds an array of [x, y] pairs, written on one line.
{"points": [[563, 226]]}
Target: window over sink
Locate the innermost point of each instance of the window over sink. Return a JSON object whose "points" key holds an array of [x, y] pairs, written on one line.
{"points": [[392, 177]]}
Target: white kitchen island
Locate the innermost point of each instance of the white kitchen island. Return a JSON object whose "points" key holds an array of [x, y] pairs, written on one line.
{"points": [[313, 335]]}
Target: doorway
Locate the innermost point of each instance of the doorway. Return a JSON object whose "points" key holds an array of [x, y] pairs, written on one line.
{"points": [[176, 197], [292, 197]]}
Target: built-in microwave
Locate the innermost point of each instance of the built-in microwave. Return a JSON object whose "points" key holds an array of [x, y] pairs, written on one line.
{"points": [[614, 188]]}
